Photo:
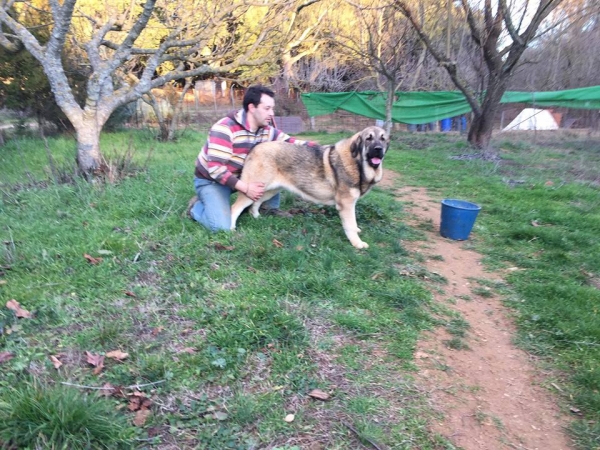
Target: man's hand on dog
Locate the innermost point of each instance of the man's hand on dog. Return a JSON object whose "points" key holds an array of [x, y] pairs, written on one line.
{"points": [[255, 190]]}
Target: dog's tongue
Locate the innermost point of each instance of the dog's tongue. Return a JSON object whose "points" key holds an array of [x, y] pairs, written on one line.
{"points": [[376, 161]]}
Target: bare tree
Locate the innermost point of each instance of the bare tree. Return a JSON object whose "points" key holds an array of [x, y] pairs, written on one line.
{"points": [[500, 33], [158, 41], [384, 45], [567, 56]]}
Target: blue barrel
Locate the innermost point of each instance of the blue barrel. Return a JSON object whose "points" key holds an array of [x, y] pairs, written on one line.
{"points": [[446, 124], [458, 218]]}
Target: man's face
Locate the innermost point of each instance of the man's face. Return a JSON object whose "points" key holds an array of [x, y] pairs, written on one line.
{"points": [[264, 112]]}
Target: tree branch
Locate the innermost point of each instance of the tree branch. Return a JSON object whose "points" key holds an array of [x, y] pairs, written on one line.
{"points": [[8, 45], [512, 31], [450, 66], [62, 22]]}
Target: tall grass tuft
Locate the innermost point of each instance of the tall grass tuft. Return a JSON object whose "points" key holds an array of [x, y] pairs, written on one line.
{"points": [[54, 417]]}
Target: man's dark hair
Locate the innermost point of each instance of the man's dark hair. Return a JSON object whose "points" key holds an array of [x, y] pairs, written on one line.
{"points": [[254, 93]]}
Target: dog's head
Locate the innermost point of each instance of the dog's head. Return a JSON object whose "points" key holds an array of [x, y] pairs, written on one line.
{"points": [[372, 143]]}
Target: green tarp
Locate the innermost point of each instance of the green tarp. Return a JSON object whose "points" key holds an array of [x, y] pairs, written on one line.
{"points": [[423, 107]]}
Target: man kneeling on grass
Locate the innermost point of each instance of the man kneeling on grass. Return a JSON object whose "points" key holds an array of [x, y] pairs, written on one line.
{"points": [[221, 160]]}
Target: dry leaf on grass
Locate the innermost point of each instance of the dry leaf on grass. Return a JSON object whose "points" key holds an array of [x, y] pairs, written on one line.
{"points": [[220, 415], [138, 401], [6, 356], [141, 416], [318, 394], [107, 390], [13, 305], [277, 244], [55, 362], [189, 350], [130, 294], [95, 360], [221, 247], [91, 259], [117, 354], [289, 418]]}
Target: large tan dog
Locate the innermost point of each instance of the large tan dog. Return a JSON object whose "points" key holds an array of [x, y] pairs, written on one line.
{"points": [[328, 175]]}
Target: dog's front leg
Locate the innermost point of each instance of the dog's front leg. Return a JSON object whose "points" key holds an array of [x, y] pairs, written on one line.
{"points": [[346, 207]]}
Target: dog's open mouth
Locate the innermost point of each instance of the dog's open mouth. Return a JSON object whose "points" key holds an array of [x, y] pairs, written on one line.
{"points": [[375, 162]]}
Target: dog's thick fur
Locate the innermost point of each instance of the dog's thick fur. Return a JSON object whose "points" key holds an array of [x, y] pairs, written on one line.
{"points": [[329, 175]]}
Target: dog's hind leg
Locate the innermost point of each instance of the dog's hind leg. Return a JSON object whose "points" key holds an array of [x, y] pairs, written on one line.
{"points": [[241, 203]]}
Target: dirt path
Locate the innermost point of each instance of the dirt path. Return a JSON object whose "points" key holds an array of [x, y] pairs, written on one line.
{"points": [[489, 394]]}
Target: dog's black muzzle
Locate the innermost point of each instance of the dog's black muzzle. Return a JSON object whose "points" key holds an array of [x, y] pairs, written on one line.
{"points": [[375, 156]]}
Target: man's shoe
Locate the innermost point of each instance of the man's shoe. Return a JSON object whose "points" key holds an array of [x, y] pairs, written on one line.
{"points": [[190, 205]]}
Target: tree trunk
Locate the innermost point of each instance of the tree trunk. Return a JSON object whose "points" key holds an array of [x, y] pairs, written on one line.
{"points": [[89, 159], [480, 132], [389, 103]]}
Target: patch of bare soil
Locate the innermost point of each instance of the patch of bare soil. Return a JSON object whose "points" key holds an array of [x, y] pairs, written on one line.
{"points": [[489, 395]]}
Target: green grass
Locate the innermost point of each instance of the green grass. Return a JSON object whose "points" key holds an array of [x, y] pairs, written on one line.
{"points": [[59, 418], [235, 331]]}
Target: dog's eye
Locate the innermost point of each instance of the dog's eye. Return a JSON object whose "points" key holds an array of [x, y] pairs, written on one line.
{"points": [[370, 137], [383, 138]]}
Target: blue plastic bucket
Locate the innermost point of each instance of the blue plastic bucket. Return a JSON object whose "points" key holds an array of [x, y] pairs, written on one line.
{"points": [[458, 218], [446, 124]]}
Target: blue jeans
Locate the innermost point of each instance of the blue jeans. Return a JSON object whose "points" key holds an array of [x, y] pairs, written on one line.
{"points": [[213, 209]]}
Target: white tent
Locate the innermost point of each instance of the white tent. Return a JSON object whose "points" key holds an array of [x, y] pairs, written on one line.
{"points": [[533, 119]]}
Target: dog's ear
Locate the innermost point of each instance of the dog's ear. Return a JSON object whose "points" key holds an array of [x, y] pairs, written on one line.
{"points": [[356, 146]]}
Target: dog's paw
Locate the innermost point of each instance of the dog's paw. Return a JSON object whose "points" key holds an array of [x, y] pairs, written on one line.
{"points": [[358, 230], [361, 244]]}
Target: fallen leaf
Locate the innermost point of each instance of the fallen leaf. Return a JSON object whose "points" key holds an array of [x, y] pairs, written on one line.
{"points": [[189, 350], [277, 244], [117, 354], [157, 330], [95, 360], [289, 418], [104, 252], [130, 294], [13, 305], [221, 247], [55, 362], [138, 400], [318, 394], [134, 403], [220, 415], [549, 183], [117, 391], [6, 356], [108, 390], [535, 223], [91, 259], [141, 416], [2, 282], [575, 410]]}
